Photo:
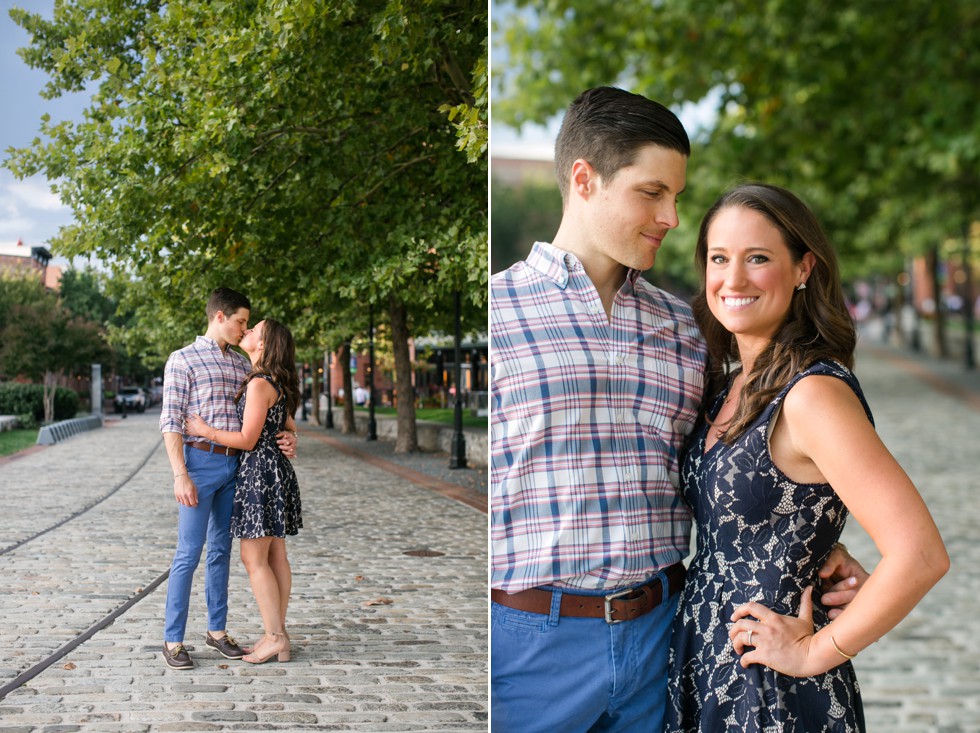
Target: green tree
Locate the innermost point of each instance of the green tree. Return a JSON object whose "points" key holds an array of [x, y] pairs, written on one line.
{"points": [[868, 110], [301, 152], [41, 340]]}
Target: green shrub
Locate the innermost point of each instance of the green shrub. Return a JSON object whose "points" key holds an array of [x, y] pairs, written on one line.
{"points": [[28, 399]]}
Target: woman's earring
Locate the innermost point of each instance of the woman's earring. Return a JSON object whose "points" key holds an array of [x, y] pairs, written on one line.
{"points": [[801, 286]]}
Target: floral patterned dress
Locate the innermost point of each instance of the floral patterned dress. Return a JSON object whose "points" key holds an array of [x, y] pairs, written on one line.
{"points": [[267, 502], [760, 537]]}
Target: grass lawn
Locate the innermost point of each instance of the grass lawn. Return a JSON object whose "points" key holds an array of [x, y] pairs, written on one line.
{"points": [[435, 414], [12, 441]]}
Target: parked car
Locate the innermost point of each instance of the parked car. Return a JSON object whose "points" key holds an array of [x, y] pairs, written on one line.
{"points": [[130, 398]]}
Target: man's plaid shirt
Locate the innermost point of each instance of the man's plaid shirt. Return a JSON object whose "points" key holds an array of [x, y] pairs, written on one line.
{"points": [[588, 421], [200, 379]]}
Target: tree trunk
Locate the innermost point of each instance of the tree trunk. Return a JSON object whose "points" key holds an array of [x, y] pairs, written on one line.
{"points": [[315, 392], [407, 439], [50, 387], [940, 345], [347, 424]]}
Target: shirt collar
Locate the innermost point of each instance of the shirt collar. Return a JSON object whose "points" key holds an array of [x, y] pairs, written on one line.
{"points": [[206, 342], [557, 264]]}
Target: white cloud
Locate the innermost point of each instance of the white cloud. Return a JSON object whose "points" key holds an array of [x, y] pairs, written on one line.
{"points": [[34, 193]]}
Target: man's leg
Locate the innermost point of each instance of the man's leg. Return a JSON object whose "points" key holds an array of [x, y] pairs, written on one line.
{"points": [[641, 649], [547, 673], [192, 525], [192, 530], [218, 563]]}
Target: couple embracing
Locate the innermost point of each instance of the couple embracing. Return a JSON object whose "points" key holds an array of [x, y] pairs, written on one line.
{"points": [[228, 427], [620, 413]]}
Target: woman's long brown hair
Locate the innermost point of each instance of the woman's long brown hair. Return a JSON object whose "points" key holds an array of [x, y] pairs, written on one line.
{"points": [[817, 326], [278, 361]]}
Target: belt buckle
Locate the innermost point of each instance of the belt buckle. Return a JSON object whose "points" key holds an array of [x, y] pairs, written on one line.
{"points": [[609, 610]]}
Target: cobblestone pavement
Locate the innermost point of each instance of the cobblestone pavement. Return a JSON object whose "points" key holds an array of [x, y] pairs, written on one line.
{"points": [[924, 676], [382, 640]]}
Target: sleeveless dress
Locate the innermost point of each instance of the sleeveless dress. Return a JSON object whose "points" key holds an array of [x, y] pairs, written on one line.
{"points": [[760, 537], [267, 502]]}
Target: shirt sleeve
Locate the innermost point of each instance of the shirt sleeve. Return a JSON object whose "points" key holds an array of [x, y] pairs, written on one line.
{"points": [[176, 388]]}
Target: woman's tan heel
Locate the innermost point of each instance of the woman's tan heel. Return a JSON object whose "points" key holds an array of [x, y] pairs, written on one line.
{"points": [[279, 649]]}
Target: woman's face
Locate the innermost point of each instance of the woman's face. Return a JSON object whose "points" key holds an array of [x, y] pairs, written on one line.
{"points": [[252, 340], [750, 277]]}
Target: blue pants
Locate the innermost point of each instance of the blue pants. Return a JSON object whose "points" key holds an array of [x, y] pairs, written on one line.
{"points": [[210, 521], [549, 673]]}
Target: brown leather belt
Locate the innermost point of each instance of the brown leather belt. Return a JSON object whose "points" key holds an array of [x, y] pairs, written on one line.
{"points": [[214, 448], [614, 608]]}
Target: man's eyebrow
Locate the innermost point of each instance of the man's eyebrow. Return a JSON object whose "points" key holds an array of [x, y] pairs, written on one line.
{"points": [[656, 183]]}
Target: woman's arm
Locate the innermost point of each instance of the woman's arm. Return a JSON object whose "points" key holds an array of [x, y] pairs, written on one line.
{"points": [[827, 425], [260, 395]]}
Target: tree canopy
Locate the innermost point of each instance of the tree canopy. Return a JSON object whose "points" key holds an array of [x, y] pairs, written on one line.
{"points": [[868, 110], [316, 155]]}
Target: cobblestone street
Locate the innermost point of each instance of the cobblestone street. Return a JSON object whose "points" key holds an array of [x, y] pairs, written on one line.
{"points": [[924, 677], [388, 612]]}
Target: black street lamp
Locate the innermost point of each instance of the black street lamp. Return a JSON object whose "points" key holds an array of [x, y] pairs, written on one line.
{"points": [[372, 433], [457, 455], [327, 367], [969, 356], [302, 391]]}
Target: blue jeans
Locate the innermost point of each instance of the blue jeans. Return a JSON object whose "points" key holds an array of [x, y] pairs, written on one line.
{"points": [[549, 673], [210, 521]]}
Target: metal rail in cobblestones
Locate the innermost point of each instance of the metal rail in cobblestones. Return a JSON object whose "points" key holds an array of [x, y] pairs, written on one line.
{"points": [[95, 628], [87, 507]]}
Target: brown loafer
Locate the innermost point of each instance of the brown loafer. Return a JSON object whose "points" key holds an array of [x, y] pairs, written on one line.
{"points": [[177, 658], [225, 646]]}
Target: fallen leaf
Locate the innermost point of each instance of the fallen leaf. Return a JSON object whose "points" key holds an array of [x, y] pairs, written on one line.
{"points": [[70, 665], [358, 577], [378, 602]]}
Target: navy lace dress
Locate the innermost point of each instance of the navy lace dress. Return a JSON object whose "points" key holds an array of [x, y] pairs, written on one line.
{"points": [[267, 500], [760, 537]]}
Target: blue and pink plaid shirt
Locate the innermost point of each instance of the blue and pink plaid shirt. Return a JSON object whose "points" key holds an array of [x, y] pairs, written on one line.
{"points": [[588, 421], [200, 379]]}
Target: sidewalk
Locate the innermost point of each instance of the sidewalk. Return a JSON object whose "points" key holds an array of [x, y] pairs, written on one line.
{"points": [[923, 676], [388, 615]]}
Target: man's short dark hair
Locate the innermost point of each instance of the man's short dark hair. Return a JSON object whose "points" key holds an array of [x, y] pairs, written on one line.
{"points": [[606, 126], [227, 301]]}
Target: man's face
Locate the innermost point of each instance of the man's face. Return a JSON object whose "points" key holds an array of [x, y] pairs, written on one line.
{"points": [[631, 213], [233, 327]]}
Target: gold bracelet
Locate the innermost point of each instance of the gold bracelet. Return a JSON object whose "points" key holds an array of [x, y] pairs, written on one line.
{"points": [[843, 654]]}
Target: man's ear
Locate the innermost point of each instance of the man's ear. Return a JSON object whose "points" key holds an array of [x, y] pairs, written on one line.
{"points": [[584, 179]]}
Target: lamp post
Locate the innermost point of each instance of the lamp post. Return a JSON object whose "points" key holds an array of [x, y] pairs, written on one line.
{"points": [[327, 368], [969, 355], [302, 391], [372, 433], [457, 455]]}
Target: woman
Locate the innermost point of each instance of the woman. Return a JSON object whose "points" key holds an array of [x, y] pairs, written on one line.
{"points": [[785, 450], [267, 502]]}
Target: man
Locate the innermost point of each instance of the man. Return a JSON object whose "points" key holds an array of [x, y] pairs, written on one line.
{"points": [[202, 379], [597, 378]]}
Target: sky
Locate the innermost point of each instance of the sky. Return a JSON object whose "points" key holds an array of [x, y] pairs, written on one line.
{"points": [[28, 209], [537, 142]]}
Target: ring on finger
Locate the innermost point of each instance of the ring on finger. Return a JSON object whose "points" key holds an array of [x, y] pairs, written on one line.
{"points": [[750, 637]]}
